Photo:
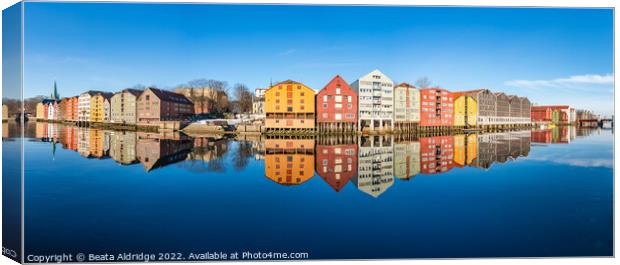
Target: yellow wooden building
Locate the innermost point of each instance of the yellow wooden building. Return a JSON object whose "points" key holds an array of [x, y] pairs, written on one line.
{"points": [[100, 107], [289, 105], [465, 110]]}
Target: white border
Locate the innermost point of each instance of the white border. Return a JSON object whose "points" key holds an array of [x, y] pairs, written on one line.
{"points": [[509, 3]]}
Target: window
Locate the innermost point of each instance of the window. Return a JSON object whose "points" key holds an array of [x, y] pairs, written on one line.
{"points": [[289, 108], [324, 105], [338, 91]]}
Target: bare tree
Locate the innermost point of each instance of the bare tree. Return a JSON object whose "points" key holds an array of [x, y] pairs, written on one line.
{"points": [[423, 82], [219, 94], [243, 97]]}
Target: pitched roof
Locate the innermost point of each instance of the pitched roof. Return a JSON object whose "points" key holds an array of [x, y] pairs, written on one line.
{"points": [[135, 92], [406, 85], [92, 92], [106, 95], [170, 96]]}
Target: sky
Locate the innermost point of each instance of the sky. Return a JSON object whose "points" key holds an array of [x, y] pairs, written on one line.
{"points": [[552, 56]]}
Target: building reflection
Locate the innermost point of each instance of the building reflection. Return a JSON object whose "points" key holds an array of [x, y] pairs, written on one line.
{"points": [[336, 160], [436, 154], [558, 135], [370, 162], [375, 172], [406, 158], [465, 149], [156, 150], [123, 147], [289, 161]]}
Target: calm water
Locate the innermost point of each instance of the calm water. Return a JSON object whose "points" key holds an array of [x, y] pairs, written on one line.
{"points": [[541, 193]]}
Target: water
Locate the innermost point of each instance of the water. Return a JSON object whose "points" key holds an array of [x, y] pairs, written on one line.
{"points": [[534, 194]]}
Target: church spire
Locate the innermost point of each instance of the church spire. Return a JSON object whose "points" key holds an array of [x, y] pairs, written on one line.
{"points": [[55, 95]]}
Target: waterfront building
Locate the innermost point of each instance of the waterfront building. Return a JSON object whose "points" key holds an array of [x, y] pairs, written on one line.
{"points": [[485, 103], [124, 106], [502, 109], [258, 101], [465, 149], [554, 114], [465, 110], [40, 112], [84, 104], [375, 172], [436, 154], [406, 159], [156, 150], [525, 117], [68, 109], [156, 105], [289, 105], [406, 106], [123, 147], [375, 93], [289, 161], [52, 110], [436, 107], [336, 160], [100, 107], [514, 109], [336, 106], [541, 114], [5, 112], [205, 99]]}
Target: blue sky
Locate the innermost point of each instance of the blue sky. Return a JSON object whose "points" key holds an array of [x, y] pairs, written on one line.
{"points": [[553, 56]]}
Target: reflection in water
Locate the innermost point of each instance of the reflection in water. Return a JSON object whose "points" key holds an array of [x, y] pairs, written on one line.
{"points": [[375, 163], [289, 161], [370, 162], [336, 160], [156, 150]]}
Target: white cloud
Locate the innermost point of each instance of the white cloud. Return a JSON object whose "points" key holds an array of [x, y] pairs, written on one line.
{"points": [[573, 81]]}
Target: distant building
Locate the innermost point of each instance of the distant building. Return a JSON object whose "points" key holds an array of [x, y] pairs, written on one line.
{"points": [[100, 107], [204, 99], [124, 106], [52, 110], [40, 114], [437, 107], [84, 105], [5, 112], [289, 105], [375, 93], [258, 101], [406, 106], [337, 106], [156, 105], [68, 109], [553, 114]]}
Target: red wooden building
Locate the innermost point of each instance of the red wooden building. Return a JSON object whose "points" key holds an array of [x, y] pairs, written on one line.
{"points": [[541, 113], [336, 164], [336, 106], [436, 107], [436, 154]]}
